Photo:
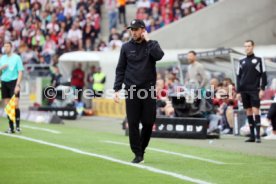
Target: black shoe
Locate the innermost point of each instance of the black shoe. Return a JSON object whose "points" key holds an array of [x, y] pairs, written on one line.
{"points": [[138, 160], [250, 140], [9, 131], [258, 140]]}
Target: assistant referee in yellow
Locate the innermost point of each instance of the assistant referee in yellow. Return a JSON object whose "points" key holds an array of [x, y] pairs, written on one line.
{"points": [[11, 68]]}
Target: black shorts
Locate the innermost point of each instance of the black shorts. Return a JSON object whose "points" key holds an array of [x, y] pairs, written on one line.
{"points": [[7, 89], [250, 99]]}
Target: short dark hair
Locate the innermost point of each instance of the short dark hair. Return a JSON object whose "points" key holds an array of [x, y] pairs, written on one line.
{"points": [[193, 52], [251, 41], [10, 43]]}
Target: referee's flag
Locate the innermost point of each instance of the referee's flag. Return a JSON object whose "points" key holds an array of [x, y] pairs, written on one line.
{"points": [[10, 109]]}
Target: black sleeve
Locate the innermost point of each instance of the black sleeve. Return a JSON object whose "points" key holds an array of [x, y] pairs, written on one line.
{"points": [[120, 70], [263, 75], [238, 73], [52, 78], [272, 112], [155, 50], [17, 7], [103, 80]]}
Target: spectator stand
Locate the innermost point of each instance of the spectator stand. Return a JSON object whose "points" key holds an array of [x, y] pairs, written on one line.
{"points": [[158, 14]]}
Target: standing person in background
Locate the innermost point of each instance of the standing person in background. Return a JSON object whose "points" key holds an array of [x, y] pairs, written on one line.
{"points": [[56, 77], [98, 83], [77, 80], [122, 11], [196, 72], [251, 83], [12, 73], [111, 6], [90, 82], [90, 79]]}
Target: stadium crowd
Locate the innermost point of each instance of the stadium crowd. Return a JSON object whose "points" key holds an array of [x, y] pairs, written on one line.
{"points": [[157, 14], [41, 30]]}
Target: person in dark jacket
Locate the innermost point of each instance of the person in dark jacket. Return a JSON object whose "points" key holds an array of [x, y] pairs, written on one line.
{"points": [[56, 77], [251, 83], [136, 69]]}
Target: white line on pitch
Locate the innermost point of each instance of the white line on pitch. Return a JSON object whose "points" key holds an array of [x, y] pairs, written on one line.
{"points": [[75, 150], [173, 153], [41, 129]]}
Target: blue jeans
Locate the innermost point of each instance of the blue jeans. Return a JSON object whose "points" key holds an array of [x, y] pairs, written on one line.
{"points": [[113, 16]]}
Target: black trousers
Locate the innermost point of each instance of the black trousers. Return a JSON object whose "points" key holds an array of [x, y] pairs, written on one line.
{"points": [[122, 15], [272, 115], [140, 110], [80, 91]]}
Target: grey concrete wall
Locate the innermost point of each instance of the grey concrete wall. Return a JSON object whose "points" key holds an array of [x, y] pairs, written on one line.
{"points": [[225, 24]]}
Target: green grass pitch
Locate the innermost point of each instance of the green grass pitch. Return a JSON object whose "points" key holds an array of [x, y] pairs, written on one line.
{"points": [[25, 162]]}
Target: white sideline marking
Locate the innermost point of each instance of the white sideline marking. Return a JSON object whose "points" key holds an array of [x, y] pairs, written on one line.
{"points": [[75, 150], [41, 129], [173, 153]]}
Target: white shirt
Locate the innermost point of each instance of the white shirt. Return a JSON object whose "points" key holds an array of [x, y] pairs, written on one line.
{"points": [[196, 74], [111, 5], [116, 43], [70, 10], [74, 35], [143, 4], [186, 5], [52, 26], [18, 25], [10, 12]]}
